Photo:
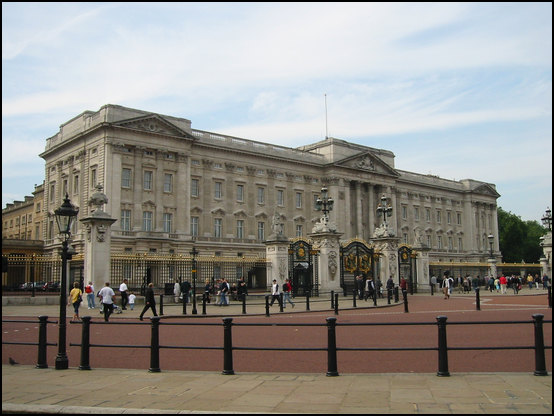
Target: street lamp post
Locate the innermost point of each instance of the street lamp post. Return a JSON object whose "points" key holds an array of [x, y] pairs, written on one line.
{"points": [[491, 241], [547, 219], [194, 253], [384, 208], [65, 215], [324, 203]]}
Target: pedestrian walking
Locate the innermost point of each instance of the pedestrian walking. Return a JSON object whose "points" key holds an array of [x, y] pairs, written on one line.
{"points": [[89, 290], [208, 291], [379, 285], [403, 283], [75, 299], [149, 301], [223, 291], [537, 280], [108, 299], [123, 291], [446, 287], [369, 288], [132, 298], [185, 290], [177, 291], [287, 288], [503, 284], [545, 282], [275, 294], [242, 289]]}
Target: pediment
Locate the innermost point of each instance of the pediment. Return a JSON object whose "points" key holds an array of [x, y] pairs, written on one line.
{"points": [[261, 215], [240, 213], [367, 162], [486, 189], [218, 211], [154, 123], [196, 210]]}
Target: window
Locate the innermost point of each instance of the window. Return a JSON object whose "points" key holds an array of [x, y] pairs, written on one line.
{"points": [[439, 242], [405, 238], [261, 231], [93, 178], [428, 214], [450, 243], [126, 178], [194, 226], [126, 220], [218, 190], [168, 182], [240, 193], [64, 187], [76, 184], [280, 197], [218, 225], [299, 200], [416, 213], [459, 218], [147, 221], [147, 185], [167, 219], [261, 195], [439, 217], [449, 217], [52, 193], [240, 228], [299, 230], [194, 188], [404, 212], [429, 241], [460, 244]]}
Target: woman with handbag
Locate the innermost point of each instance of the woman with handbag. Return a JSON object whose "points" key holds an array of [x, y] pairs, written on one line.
{"points": [[75, 299]]}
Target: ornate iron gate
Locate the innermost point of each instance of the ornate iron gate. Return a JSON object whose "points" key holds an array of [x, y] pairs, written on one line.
{"points": [[301, 269], [357, 258], [406, 269]]}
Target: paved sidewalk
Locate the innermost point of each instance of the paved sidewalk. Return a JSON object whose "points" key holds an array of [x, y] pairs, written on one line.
{"points": [[26, 389]]}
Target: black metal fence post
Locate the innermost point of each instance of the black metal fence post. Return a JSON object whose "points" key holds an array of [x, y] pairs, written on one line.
{"points": [[161, 305], [266, 305], [204, 299], [336, 303], [307, 301], [243, 303], [389, 296], [155, 345], [396, 294], [432, 288], [443, 348], [281, 302], [227, 347], [549, 294], [41, 361], [332, 347], [477, 299], [85, 344], [354, 296], [375, 297], [540, 362], [332, 299], [405, 298], [184, 304]]}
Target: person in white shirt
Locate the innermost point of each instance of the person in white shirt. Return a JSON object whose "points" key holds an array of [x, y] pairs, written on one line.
{"points": [[108, 299], [275, 294], [124, 296], [132, 298]]}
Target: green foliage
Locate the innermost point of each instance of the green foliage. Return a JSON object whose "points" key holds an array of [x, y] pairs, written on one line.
{"points": [[519, 240]]}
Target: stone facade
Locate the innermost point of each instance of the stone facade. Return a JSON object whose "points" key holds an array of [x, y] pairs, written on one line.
{"points": [[170, 185]]}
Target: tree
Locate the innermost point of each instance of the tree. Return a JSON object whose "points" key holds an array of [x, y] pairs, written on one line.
{"points": [[519, 240]]}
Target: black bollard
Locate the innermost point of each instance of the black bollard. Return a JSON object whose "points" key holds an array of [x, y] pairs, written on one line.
{"points": [[549, 289], [227, 347], [155, 345], [540, 362], [405, 298], [204, 299], [331, 347], [281, 302], [443, 348], [336, 303], [477, 299], [332, 299], [307, 301], [85, 344], [41, 362], [354, 295], [266, 305], [161, 305], [244, 303], [184, 305], [432, 288], [389, 296], [396, 294], [375, 297]]}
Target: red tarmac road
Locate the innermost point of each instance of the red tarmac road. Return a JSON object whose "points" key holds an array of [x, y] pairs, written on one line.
{"points": [[421, 309]]}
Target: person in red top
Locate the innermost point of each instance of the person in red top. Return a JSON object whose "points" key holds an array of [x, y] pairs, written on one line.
{"points": [[403, 283], [503, 284]]}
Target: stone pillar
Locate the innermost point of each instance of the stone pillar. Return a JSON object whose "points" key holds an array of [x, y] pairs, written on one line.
{"points": [[546, 260], [276, 253], [329, 257], [387, 247], [97, 259]]}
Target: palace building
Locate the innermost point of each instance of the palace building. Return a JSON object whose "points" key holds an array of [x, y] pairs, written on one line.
{"points": [[170, 186]]}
